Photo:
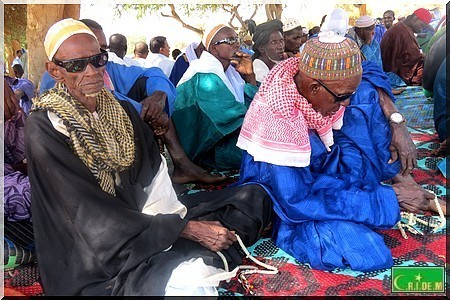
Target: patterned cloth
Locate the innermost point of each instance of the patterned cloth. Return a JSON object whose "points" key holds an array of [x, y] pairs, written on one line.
{"points": [[103, 139], [17, 197], [330, 60], [275, 128]]}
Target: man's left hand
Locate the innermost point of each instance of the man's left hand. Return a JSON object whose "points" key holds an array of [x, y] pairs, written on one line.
{"points": [[153, 106], [403, 147]]}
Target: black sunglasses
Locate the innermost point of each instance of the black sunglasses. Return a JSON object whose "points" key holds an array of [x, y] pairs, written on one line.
{"points": [[337, 98], [80, 64], [228, 40]]}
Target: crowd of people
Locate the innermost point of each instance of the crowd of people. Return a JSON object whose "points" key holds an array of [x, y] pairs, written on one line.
{"points": [[307, 116]]}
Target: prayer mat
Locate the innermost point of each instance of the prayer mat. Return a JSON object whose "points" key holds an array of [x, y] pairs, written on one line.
{"points": [[416, 108], [299, 279]]}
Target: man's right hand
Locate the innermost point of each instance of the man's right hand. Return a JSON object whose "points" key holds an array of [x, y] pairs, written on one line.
{"points": [[210, 234], [412, 197]]}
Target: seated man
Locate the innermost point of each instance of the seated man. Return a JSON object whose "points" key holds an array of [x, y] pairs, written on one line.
{"points": [[400, 50], [363, 35], [159, 56], [118, 49], [193, 52], [268, 47], [140, 53], [212, 99], [326, 184], [103, 205], [23, 88], [147, 89], [293, 37]]}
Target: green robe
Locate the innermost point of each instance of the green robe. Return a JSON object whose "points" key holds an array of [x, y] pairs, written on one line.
{"points": [[208, 120]]}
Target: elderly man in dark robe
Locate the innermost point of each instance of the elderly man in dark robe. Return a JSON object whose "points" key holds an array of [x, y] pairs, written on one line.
{"points": [[106, 219], [400, 50]]}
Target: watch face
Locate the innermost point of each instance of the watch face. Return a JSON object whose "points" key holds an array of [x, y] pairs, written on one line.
{"points": [[396, 118]]}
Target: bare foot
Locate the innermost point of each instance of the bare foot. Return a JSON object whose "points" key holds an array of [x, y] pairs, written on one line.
{"points": [[190, 172]]}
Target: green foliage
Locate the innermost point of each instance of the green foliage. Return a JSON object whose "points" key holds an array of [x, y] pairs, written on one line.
{"points": [[17, 15], [183, 9]]}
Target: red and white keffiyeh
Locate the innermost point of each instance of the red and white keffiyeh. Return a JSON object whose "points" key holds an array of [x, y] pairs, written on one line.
{"points": [[275, 128]]}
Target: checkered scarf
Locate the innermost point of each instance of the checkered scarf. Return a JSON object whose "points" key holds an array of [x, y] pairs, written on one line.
{"points": [[104, 141], [279, 84]]}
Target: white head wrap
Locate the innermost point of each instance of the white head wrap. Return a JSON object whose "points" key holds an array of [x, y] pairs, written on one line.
{"points": [[210, 34], [336, 22], [60, 32]]}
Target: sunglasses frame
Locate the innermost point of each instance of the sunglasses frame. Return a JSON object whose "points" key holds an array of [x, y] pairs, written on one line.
{"points": [[87, 60], [337, 98], [227, 41]]}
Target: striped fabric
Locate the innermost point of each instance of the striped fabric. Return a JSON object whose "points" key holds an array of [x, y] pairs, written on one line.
{"points": [[104, 140], [61, 31]]}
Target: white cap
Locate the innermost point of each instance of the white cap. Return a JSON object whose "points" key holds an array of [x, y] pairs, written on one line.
{"points": [[364, 21], [290, 24]]}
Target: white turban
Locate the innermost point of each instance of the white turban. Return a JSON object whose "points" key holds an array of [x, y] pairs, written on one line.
{"points": [[210, 34], [61, 31]]}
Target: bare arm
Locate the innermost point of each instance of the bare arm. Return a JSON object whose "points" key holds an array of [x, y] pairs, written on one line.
{"points": [[402, 145]]}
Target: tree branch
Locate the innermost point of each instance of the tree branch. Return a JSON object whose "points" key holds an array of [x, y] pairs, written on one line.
{"points": [[177, 17], [254, 12]]}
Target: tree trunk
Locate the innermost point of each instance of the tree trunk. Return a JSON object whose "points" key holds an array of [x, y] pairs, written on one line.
{"points": [[39, 19], [274, 11]]}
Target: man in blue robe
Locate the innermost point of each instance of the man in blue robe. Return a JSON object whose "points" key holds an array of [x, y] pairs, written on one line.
{"points": [[329, 202]]}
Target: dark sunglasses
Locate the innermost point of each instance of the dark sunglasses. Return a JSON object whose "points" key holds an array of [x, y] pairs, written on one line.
{"points": [[337, 98], [80, 64], [228, 40]]}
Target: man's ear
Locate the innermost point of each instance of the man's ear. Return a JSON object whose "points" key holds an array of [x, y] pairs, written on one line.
{"points": [[54, 71]]}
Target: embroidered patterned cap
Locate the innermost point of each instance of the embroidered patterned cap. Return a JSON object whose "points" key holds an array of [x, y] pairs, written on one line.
{"points": [[331, 60], [61, 31]]}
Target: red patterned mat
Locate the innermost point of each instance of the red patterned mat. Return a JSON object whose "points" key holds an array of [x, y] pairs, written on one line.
{"points": [[298, 279]]}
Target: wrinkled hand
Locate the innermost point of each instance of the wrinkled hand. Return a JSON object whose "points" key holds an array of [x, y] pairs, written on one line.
{"points": [[412, 197], [161, 125], [442, 150], [403, 147], [153, 106], [242, 62], [210, 234], [10, 103]]}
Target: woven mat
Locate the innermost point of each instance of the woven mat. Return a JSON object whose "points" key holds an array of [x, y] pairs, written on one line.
{"points": [[298, 279], [417, 109]]}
